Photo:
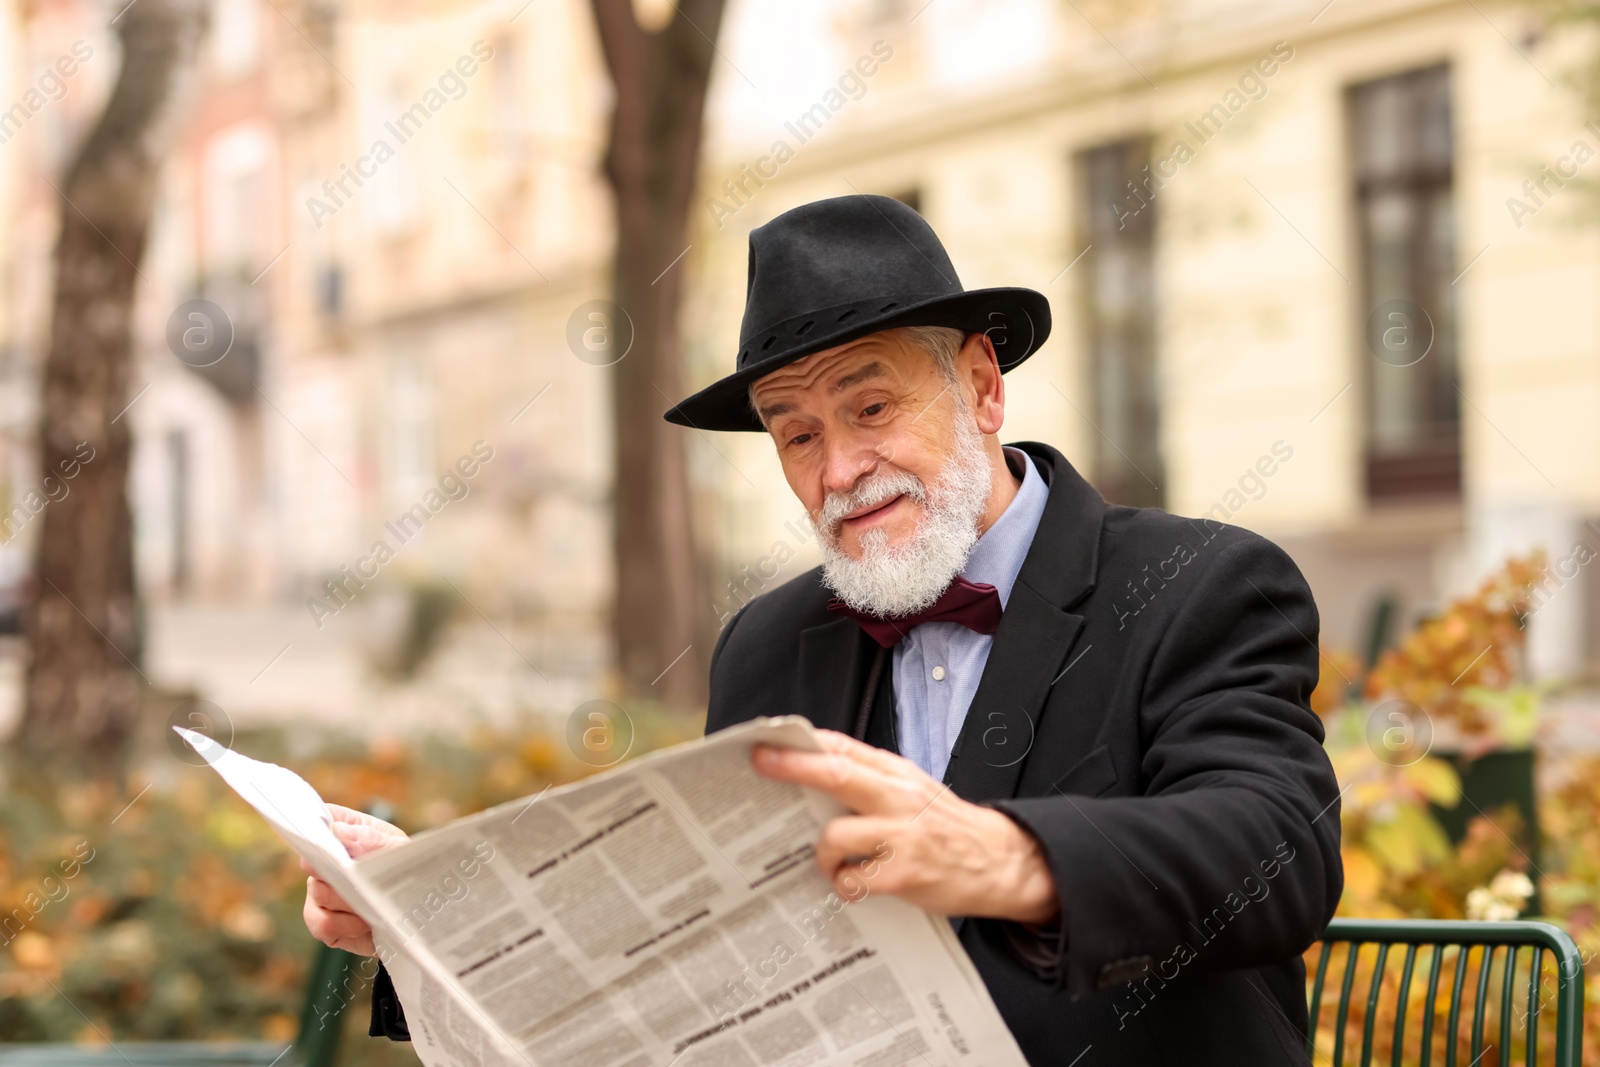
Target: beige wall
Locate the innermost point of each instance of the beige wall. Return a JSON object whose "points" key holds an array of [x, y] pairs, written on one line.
{"points": [[464, 292], [1260, 323]]}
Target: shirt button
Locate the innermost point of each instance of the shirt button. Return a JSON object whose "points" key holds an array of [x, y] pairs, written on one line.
{"points": [[938, 674]]}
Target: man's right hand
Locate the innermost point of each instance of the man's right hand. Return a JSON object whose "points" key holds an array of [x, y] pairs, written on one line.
{"points": [[327, 916]]}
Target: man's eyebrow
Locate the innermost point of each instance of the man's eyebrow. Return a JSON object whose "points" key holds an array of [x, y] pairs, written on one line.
{"points": [[856, 377], [770, 413]]}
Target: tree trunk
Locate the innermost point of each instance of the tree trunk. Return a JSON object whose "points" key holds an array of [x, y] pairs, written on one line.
{"points": [[651, 163], [83, 686]]}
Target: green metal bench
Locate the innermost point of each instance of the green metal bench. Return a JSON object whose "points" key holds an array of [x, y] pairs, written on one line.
{"points": [[316, 1044], [1531, 957], [1451, 946]]}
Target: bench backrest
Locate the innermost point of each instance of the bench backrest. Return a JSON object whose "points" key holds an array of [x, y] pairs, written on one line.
{"points": [[1523, 972]]}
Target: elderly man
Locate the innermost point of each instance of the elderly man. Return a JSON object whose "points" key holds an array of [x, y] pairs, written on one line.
{"points": [[1083, 729]]}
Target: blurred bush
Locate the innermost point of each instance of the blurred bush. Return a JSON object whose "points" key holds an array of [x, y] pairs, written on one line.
{"points": [[174, 913], [1456, 685]]}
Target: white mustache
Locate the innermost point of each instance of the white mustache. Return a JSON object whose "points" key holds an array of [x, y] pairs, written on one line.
{"points": [[871, 491]]}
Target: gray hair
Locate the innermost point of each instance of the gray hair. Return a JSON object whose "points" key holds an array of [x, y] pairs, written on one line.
{"points": [[943, 343], [940, 342]]}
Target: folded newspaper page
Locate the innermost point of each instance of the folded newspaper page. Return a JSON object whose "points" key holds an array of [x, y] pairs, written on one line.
{"points": [[667, 912]]}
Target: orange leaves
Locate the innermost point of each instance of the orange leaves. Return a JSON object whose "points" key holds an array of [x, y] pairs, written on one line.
{"points": [[1476, 642], [247, 922], [210, 889], [183, 919], [539, 754], [33, 951], [1451, 684], [1332, 687]]}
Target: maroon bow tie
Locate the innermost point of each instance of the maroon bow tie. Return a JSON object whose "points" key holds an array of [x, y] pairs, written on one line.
{"points": [[975, 605]]}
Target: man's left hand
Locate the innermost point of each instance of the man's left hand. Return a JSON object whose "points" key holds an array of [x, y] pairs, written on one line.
{"points": [[944, 854], [329, 918]]}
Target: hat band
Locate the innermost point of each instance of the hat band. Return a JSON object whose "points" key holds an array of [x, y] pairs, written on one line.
{"points": [[756, 345]]}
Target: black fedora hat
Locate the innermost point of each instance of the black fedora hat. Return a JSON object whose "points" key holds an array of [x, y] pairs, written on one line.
{"points": [[835, 270]]}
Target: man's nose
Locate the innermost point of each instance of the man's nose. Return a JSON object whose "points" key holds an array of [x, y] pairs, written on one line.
{"points": [[849, 461]]}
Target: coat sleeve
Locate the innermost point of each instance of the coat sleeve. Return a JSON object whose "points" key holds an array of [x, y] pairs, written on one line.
{"points": [[388, 1017], [1230, 857]]}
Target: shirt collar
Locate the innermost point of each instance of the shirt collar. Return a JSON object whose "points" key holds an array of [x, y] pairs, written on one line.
{"points": [[998, 556]]}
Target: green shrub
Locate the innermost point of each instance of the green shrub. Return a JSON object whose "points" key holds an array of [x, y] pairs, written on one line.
{"points": [[173, 912]]}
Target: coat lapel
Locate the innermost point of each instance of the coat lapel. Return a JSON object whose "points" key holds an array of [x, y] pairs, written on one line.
{"points": [[1037, 634], [834, 660]]}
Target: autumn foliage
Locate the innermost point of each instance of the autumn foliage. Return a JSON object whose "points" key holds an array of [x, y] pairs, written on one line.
{"points": [[1457, 683], [173, 914]]}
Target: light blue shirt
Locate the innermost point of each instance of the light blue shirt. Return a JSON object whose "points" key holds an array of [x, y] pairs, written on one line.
{"points": [[938, 664]]}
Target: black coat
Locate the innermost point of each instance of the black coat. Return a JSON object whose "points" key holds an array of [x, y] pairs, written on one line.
{"points": [[1144, 713]]}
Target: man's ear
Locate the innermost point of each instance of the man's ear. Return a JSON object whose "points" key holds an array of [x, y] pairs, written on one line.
{"points": [[980, 365]]}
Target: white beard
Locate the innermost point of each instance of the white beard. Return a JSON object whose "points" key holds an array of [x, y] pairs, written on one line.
{"points": [[892, 581]]}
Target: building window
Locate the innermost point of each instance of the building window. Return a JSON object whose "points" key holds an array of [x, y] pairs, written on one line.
{"points": [[239, 227], [330, 290], [1405, 209], [1117, 215]]}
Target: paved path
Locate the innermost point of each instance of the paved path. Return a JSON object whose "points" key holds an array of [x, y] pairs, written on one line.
{"points": [[271, 664]]}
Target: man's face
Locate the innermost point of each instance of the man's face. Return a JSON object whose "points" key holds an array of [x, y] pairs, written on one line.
{"points": [[878, 403]]}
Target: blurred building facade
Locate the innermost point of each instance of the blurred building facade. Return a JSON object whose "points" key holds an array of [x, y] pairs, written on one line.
{"points": [[1324, 270], [376, 223]]}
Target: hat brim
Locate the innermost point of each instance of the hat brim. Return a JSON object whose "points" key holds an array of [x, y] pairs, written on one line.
{"points": [[1023, 314]]}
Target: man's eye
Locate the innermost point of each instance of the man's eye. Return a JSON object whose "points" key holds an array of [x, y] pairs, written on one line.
{"points": [[800, 439], [872, 409]]}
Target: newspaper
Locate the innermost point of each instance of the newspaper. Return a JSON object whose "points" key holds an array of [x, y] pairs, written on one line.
{"points": [[666, 912]]}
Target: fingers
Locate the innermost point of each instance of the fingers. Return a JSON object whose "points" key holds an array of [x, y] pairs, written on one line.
{"points": [[331, 926], [340, 929], [344, 815], [358, 942], [861, 752], [327, 915], [323, 895], [852, 839], [856, 784], [360, 839]]}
